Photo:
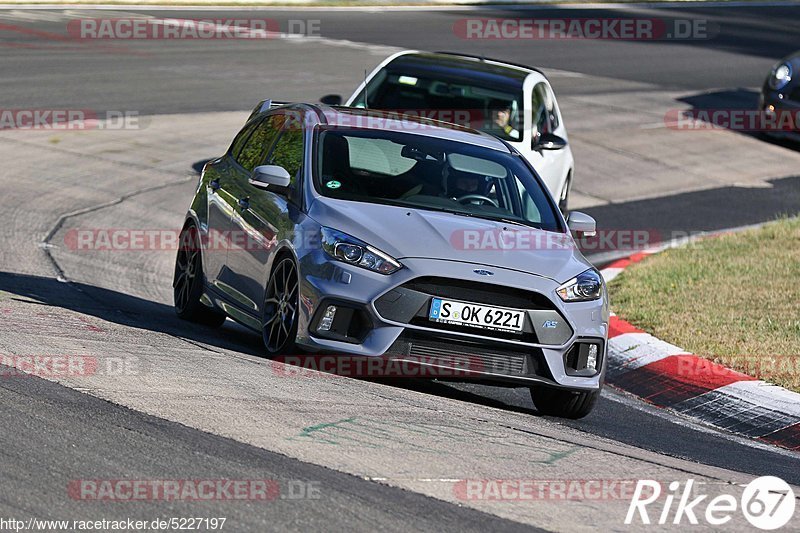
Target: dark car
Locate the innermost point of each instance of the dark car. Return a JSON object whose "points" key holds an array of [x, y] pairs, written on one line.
{"points": [[780, 97]]}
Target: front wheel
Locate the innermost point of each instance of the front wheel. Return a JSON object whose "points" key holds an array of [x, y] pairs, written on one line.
{"points": [[281, 308], [564, 403]]}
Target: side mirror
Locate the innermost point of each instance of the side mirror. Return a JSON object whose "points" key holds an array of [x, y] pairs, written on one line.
{"points": [[548, 141], [331, 99], [265, 175], [581, 224]]}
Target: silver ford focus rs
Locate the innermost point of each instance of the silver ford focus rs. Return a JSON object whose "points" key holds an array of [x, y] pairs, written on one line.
{"points": [[363, 233]]}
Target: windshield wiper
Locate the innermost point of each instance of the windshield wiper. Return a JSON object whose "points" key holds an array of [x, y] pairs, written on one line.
{"points": [[471, 214], [494, 219]]}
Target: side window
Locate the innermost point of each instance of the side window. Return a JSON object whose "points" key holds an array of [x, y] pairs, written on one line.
{"points": [[288, 151], [241, 138], [552, 109], [539, 115], [545, 114], [255, 149]]}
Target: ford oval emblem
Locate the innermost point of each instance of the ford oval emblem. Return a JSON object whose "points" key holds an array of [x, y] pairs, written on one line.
{"points": [[481, 272]]}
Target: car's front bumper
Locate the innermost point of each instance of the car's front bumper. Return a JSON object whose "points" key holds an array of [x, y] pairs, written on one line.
{"points": [[392, 321], [774, 102]]}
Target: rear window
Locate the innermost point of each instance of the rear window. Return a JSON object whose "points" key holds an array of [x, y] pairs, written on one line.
{"points": [[496, 110]]}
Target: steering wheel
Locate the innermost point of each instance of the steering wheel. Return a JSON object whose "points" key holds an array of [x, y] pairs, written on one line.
{"points": [[467, 197]]}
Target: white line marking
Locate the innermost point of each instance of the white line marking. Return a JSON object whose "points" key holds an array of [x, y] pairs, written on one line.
{"points": [[635, 350]]}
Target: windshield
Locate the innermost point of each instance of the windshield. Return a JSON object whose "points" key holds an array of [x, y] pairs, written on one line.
{"points": [[491, 109], [396, 168]]}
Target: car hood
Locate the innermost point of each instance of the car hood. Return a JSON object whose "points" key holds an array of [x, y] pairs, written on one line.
{"points": [[416, 233]]}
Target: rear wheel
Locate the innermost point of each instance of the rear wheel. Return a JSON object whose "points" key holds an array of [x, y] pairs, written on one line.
{"points": [[281, 308], [187, 282], [564, 403]]}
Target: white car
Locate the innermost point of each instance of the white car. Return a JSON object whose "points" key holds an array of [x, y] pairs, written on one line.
{"points": [[514, 102]]}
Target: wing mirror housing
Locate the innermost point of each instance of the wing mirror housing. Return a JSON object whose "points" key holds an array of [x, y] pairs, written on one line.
{"points": [[581, 224], [548, 141], [331, 99], [264, 176]]}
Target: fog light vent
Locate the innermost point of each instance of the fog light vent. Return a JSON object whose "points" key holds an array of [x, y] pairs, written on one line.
{"points": [[583, 359], [327, 319], [591, 357]]}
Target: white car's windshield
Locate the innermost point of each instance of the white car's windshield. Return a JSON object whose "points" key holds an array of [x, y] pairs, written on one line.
{"points": [[496, 110], [398, 168]]}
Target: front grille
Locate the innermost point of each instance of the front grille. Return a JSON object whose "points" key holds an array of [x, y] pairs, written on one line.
{"points": [[524, 336], [469, 357], [410, 303], [795, 94], [482, 293]]}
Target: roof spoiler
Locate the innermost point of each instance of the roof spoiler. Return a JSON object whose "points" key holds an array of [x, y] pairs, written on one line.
{"points": [[265, 105], [484, 58]]}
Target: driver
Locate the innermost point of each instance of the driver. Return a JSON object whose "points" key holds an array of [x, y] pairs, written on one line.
{"points": [[465, 184], [501, 119], [461, 184]]}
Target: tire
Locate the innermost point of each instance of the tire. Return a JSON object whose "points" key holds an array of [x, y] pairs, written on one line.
{"points": [[187, 283], [563, 403], [281, 308], [563, 200]]}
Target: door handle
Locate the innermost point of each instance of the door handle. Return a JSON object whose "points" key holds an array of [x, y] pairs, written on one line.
{"points": [[214, 184], [244, 203]]}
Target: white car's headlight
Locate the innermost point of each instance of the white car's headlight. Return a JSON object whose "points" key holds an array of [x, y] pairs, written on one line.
{"points": [[781, 75], [346, 248], [583, 287]]}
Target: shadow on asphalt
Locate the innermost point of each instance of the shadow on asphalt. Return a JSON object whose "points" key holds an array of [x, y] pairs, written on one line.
{"points": [[610, 419], [126, 310], [735, 100], [132, 311], [686, 214]]}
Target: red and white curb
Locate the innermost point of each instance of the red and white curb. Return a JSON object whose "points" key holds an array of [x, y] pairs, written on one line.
{"points": [[669, 377]]}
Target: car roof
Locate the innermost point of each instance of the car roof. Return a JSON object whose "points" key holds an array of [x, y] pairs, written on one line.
{"points": [[359, 118], [490, 72]]}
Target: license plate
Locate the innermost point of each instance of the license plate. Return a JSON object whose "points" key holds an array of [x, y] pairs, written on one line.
{"points": [[476, 315]]}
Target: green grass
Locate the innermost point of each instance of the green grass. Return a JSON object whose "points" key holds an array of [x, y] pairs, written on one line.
{"points": [[734, 299]]}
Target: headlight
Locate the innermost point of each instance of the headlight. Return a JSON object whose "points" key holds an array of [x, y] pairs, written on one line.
{"points": [[345, 248], [583, 287], [780, 76]]}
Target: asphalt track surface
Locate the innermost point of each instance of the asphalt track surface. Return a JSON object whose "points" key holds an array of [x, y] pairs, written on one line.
{"points": [[52, 434]]}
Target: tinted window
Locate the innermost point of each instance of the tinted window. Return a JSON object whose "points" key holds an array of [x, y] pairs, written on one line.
{"points": [[288, 151], [396, 168], [241, 138], [259, 142]]}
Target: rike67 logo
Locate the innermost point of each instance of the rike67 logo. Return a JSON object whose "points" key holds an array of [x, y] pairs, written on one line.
{"points": [[766, 502]]}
